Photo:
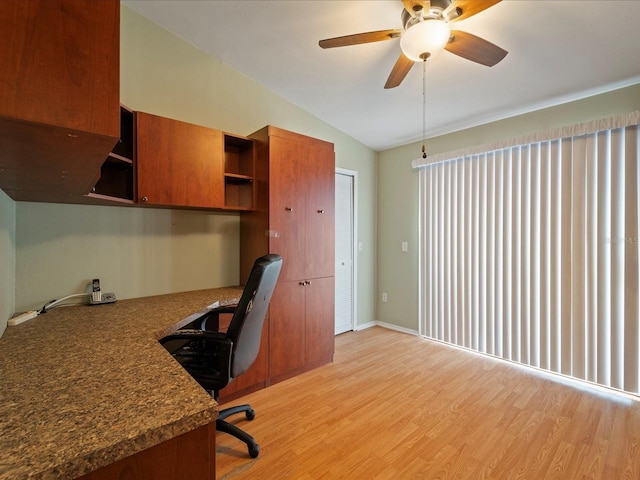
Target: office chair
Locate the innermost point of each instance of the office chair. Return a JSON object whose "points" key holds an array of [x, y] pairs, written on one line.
{"points": [[215, 358]]}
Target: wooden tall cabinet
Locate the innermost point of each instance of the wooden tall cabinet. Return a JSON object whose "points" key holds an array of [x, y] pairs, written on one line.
{"points": [[59, 95], [295, 218]]}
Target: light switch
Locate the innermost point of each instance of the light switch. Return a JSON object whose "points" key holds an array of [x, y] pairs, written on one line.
{"points": [[405, 246]]}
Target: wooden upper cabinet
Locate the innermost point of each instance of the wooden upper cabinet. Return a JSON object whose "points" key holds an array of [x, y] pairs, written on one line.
{"points": [[320, 212], [61, 63], [178, 164], [287, 205], [302, 204], [59, 94]]}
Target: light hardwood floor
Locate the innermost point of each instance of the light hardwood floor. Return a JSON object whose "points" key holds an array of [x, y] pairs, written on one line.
{"points": [[396, 406]]}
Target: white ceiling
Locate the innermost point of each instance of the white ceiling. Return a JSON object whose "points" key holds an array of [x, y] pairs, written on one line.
{"points": [[558, 51]]}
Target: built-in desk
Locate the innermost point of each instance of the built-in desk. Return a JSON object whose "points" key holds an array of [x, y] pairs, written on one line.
{"points": [[83, 387]]}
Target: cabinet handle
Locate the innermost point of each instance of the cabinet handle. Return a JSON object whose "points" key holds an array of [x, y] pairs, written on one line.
{"points": [[307, 282], [321, 211], [301, 284], [288, 209], [144, 199]]}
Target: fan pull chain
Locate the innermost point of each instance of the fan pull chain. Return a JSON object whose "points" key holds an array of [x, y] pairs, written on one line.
{"points": [[424, 106]]}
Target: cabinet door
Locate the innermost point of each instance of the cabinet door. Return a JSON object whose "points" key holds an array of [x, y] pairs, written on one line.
{"points": [[319, 310], [190, 455], [59, 96], [178, 163], [61, 63], [287, 205], [320, 213], [287, 328]]}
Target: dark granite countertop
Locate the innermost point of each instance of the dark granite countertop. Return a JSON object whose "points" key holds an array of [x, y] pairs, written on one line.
{"points": [[84, 386]]}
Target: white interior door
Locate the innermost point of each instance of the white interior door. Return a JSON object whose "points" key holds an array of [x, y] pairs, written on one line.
{"points": [[345, 251]]}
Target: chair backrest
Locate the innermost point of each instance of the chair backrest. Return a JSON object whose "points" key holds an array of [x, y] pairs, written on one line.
{"points": [[245, 329]]}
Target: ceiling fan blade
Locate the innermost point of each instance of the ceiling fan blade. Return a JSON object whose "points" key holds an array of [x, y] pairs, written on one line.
{"points": [[359, 38], [399, 71], [467, 8], [414, 6], [474, 48]]}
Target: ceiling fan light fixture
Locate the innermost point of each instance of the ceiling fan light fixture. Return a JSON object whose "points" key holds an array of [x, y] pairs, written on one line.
{"points": [[425, 39]]}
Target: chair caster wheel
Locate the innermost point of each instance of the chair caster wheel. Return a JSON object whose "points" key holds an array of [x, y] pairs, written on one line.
{"points": [[254, 450], [251, 414]]}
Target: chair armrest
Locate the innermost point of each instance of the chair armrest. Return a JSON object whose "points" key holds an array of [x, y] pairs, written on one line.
{"points": [[231, 308], [194, 334], [210, 321], [201, 352]]}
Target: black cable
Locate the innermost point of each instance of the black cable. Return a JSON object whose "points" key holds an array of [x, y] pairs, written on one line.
{"points": [[44, 307]]}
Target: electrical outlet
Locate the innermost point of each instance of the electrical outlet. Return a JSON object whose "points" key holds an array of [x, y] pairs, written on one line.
{"points": [[384, 296]]}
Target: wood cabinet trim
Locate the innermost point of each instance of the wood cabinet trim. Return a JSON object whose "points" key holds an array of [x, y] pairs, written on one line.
{"points": [[299, 137]]}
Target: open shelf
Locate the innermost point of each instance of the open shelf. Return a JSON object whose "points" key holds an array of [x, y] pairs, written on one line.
{"points": [[239, 187], [116, 180], [124, 148], [238, 192]]}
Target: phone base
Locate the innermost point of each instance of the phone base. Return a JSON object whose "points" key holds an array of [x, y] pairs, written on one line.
{"points": [[105, 298]]}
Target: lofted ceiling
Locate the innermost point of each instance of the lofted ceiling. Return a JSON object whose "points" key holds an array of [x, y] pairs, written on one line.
{"points": [[559, 50]]}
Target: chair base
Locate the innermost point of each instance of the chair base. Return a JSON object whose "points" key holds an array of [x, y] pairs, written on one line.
{"points": [[226, 427]]}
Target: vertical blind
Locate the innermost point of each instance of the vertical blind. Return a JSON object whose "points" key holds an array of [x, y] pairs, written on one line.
{"points": [[529, 251]]}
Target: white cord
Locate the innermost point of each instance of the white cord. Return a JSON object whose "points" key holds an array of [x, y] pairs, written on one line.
{"points": [[53, 303], [424, 105]]}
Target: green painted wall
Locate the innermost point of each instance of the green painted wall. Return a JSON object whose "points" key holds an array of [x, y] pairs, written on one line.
{"points": [[398, 191], [7, 258], [139, 252]]}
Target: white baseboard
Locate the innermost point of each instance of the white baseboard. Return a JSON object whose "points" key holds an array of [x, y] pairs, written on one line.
{"points": [[364, 326], [390, 326]]}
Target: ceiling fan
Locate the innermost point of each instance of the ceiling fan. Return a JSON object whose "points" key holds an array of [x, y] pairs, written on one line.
{"points": [[426, 32]]}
